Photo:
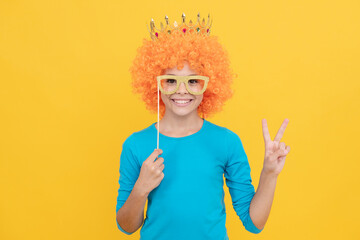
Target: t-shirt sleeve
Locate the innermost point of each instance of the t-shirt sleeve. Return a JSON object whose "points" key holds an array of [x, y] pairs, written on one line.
{"points": [[238, 180], [129, 173]]}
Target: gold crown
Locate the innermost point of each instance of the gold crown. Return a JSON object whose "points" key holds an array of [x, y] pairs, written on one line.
{"points": [[199, 27]]}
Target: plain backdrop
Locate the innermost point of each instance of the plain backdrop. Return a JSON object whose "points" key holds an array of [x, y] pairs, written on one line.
{"points": [[66, 107]]}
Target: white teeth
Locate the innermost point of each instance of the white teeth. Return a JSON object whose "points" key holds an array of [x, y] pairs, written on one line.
{"points": [[182, 102]]}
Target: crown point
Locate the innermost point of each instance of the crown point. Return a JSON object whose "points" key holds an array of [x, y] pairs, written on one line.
{"points": [[200, 26]]}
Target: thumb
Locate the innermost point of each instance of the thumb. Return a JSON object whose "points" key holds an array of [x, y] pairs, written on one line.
{"points": [[279, 153]]}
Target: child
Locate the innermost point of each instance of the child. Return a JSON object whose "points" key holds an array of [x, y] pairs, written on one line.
{"points": [[190, 69]]}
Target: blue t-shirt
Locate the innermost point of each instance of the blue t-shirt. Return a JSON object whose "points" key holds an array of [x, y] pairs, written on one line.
{"points": [[189, 201]]}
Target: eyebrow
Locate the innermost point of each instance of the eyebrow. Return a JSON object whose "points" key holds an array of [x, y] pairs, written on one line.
{"points": [[186, 75]]}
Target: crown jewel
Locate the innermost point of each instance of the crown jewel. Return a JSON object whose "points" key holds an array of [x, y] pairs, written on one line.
{"points": [[201, 27]]}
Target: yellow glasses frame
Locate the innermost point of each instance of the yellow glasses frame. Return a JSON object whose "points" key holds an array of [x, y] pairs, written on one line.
{"points": [[184, 79]]}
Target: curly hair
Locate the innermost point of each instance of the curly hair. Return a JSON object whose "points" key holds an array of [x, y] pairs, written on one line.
{"points": [[204, 54]]}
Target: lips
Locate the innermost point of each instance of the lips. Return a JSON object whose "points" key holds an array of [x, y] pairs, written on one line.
{"points": [[181, 99], [184, 102]]}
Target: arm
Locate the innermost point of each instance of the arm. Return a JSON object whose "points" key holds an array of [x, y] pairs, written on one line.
{"points": [[261, 203], [136, 182], [130, 202], [131, 215], [275, 154], [238, 179]]}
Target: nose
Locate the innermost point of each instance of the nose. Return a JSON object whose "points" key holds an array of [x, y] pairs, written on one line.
{"points": [[182, 88]]}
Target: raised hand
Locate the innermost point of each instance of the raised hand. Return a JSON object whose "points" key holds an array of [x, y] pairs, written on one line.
{"points": [[275, 151]]}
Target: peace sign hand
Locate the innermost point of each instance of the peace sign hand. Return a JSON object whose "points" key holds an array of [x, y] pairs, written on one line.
{"points": [[275, 151]]}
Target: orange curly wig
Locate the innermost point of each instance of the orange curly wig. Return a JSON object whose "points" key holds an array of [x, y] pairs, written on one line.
{"points": [[204, 54]]}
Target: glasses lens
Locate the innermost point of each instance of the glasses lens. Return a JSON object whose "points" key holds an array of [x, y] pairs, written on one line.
{"points": [[168, 85], [196, 85]]}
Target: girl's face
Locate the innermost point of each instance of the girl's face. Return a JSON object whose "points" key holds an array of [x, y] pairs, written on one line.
{"points": [[181, 102]]}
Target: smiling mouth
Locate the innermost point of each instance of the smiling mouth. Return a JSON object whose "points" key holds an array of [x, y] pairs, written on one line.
{"points": [[182, 103]]}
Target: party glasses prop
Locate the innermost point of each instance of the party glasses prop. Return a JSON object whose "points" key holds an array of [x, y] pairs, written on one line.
{"points": [[195, 85]]}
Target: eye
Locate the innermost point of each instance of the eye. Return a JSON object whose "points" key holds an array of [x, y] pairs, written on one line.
{"points": [[193, 81], [170, 80]]}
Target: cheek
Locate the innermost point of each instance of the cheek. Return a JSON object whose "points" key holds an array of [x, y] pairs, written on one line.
{"points": [[164, 98], [199, 99]]}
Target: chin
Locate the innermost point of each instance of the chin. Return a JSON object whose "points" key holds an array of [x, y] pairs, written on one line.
{"points": [[183, 112]]}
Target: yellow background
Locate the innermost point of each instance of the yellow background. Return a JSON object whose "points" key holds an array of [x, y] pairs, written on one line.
{"points": [[66, 107]]}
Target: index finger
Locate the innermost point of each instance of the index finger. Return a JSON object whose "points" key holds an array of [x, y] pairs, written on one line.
{"points": [[281, 131], [154, 155], [265, 131]]}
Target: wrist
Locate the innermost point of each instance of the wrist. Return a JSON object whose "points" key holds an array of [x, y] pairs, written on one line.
{"points": [[140, 190], [270, 175]]}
